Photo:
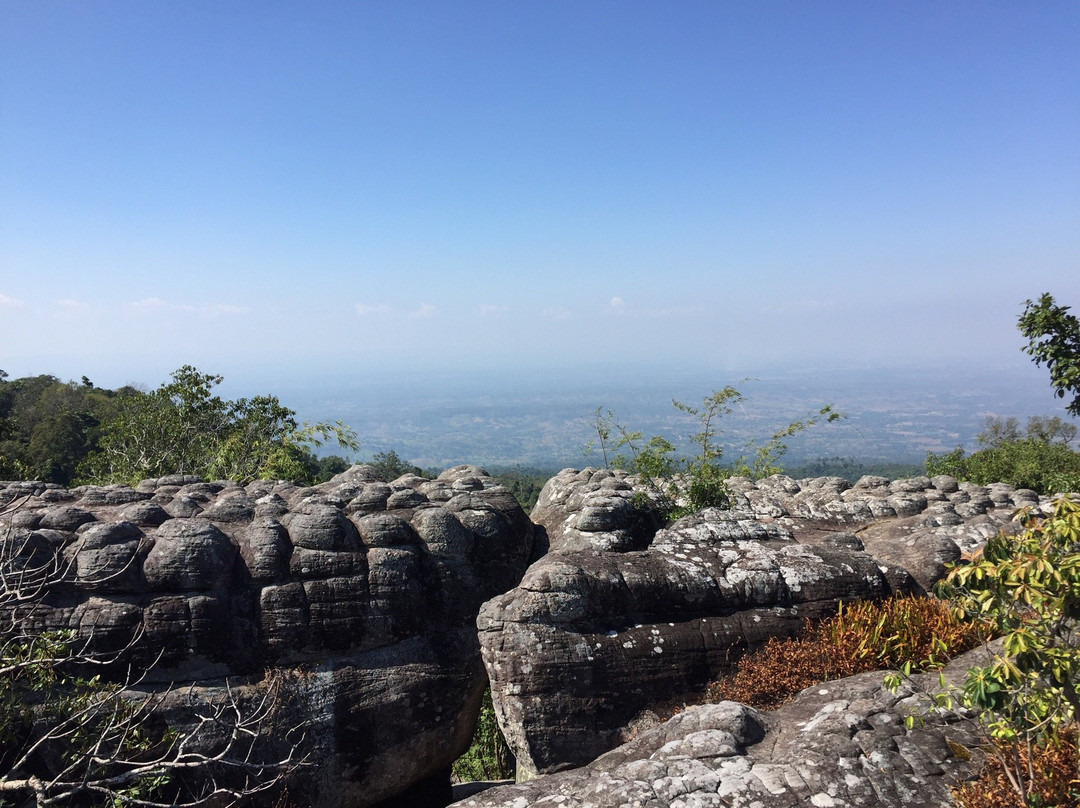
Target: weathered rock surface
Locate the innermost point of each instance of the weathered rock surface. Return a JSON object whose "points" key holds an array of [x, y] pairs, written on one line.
{"points": [[368, 591], [842, 743], [618, 619]]}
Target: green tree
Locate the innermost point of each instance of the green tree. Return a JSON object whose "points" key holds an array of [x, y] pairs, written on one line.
{"points": [[329, 466], [488, 757], [1054, 340], [999, 431], [183, 428], [389, 466], [1051, 429], [48, 427], [524, 482]]}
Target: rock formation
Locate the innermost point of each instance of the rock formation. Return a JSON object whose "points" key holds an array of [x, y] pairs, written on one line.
{"points": [[619, 619], [842, 743], [365, 592]]}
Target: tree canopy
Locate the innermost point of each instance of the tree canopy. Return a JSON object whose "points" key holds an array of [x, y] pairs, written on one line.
{"points": [[183, 428], [1054, 340]]}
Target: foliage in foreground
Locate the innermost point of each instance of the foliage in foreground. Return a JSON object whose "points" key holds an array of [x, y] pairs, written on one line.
{"points": [[488, 758], [678, 485], [183, 428], [1028, 588], [1054, 779], [917, 632]]}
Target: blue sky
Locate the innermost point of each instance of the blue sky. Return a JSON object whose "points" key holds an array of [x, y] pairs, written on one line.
{"points": [[279, 189]]}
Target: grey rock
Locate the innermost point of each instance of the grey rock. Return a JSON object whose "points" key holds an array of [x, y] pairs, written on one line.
{"points": [[620, 618], [842, 743], [233, 508], [945, 483], [591, 638], [375, 627], [108, 558], [65, 517], [144, 514], [182, 506], [189, 555]]}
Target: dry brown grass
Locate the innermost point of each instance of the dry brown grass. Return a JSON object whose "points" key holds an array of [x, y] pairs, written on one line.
{"points": [[864, 636], [1057, 780], [876, 636]]}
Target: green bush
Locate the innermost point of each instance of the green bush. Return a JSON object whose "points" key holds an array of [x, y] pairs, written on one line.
{"points": [[1028, 588], [488, 758], [1045, 467]]}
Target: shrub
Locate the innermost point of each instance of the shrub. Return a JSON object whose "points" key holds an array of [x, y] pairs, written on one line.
{"points": [[1028, 588], [488, 758], [1054, 782], [916, 633], [1048, 468], [676, 486]]}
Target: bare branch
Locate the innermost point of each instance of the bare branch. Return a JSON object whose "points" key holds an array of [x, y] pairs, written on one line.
{"points": [[65, 737]]}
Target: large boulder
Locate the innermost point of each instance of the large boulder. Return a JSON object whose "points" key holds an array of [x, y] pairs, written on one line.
{"points": [[619, 620], [841, 743], [365, 594]]}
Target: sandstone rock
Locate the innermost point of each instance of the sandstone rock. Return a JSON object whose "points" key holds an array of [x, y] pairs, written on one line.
{"points": [[144, 514], [591, 638], [593, 509], [367, 593], [108, 558], [842, 743], [189, 554], [618, 619], [64, 518]]}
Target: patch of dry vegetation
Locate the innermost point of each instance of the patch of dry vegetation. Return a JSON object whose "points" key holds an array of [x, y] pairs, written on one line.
{"points": [[860, 637]]}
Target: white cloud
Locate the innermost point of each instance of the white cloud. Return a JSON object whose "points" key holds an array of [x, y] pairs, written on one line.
{"points": [[617, 306], [364, 309], [149, 303], [206, 309], [486, 309], [425, 310], [10, 302]]}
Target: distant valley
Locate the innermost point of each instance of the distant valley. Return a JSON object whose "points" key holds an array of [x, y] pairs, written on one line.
{"points": [[543, 419]]}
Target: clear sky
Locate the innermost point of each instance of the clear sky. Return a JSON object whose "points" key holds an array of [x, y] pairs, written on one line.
{"points": [[290, 188]]}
